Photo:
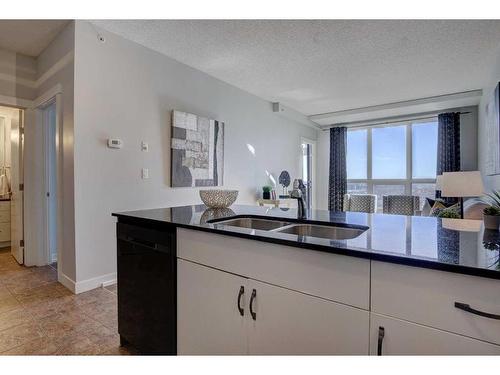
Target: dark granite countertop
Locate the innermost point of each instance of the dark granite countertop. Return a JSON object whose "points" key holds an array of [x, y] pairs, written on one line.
{"points": [[461, 246]]}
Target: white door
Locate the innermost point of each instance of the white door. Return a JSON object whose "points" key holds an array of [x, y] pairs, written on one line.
{"points": [[391, 336], [208, 319], [292, 323], [16, 210]]}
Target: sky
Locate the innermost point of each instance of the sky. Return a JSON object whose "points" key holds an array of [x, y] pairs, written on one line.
{"points": [[389, 152]]}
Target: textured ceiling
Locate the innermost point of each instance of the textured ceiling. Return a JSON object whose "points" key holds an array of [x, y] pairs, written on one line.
{"points": [[328, 65], [29, 37]]}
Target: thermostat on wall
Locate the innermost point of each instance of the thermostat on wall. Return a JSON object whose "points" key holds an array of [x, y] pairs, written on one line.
{"points": [[115, 143]]}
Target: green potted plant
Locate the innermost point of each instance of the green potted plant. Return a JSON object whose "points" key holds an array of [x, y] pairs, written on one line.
{"points": [[266, 192], [491, 214]]}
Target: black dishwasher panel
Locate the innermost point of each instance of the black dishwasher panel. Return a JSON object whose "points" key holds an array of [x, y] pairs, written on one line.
{"points": [[147, 289]]}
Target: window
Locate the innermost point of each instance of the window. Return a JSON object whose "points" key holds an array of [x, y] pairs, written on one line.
{"points": [[357, 154], [389, 152], [424, 150], [393, 159]]}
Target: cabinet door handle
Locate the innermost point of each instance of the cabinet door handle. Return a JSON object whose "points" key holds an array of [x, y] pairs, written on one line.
{"points": [[466, 307], [254, 295], [240, 294], [381, 334]]}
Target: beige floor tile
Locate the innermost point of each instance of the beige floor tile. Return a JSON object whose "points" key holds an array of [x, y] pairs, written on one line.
{"points": [[22, 284], [55, 305], [63, 324], [19, 335], [9, 303], [39, 316], [4, 292], [14, 318], [39, 346]]}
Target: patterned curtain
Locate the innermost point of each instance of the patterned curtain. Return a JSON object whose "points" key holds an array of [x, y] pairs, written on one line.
{"points": [[448, 157], [338, 168]]}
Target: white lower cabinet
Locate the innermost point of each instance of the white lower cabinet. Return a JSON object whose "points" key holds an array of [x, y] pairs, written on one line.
{"points": [[288, 322], [275, 320], [391, 336], [208, 320]]}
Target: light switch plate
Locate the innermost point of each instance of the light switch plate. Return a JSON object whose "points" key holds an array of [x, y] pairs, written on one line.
{"points": [[145, 173]]}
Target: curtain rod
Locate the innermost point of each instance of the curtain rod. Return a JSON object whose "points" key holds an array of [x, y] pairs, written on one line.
{"points": [[388, 121]]}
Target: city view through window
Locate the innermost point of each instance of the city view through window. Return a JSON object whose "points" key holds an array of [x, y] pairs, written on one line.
{"points": [[394, 159]]}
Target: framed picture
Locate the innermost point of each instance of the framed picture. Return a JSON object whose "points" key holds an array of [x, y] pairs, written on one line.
{"points": [[197, 151]]}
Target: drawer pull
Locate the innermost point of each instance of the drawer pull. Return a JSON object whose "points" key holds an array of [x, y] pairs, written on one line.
{"points": [[466, 307], [381, 335], [240, 294], [254, 294]]}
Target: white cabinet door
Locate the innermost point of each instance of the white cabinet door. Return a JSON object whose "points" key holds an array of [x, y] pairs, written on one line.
{"points": [[208, 318], [405, 338], [288, 322]]}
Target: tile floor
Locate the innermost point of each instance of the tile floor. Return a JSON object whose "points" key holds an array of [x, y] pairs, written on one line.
{"points": [[39, 316]]}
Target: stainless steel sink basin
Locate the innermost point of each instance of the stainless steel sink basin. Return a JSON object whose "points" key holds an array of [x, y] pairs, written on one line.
{"points": [[323, 231], [253, 223]]}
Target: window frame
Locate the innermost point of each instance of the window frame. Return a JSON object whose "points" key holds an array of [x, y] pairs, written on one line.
{"points": [[409, 180]]}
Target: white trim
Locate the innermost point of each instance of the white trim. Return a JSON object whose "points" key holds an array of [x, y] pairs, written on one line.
{"points": [[65, 280], [110, 282], [47, 96], [313, 167], [96, 282]]}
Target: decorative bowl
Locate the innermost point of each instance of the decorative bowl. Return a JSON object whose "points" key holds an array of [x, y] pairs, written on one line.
{"points": [[217, 198]]}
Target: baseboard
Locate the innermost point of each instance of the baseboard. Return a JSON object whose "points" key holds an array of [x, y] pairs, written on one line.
{"points": [[108, 283], [66, 281], [96, 282]]}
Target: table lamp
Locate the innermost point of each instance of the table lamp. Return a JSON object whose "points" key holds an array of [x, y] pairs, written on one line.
{"points": [[461, 185]]}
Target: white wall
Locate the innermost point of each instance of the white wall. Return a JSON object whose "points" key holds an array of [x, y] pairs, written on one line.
{"points": [[127, 91], [55, 66], [468, 151], [490, 182]]}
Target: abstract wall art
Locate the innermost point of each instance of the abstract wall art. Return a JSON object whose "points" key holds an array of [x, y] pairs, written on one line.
{"points": [[197, 151]]}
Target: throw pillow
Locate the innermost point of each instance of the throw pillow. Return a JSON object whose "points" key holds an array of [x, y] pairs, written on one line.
{"points": [[436, 208]]}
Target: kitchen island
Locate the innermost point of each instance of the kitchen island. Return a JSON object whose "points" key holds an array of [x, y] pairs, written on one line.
{"points": [[386, 284]]}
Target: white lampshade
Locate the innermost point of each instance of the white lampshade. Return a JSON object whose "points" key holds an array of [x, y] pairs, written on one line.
{"points": [[461, 184]]}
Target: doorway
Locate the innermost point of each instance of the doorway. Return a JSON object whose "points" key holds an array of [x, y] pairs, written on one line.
{"points": [[11, 181], [308, 169]]}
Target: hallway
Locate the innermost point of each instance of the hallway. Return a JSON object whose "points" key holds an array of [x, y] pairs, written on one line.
{"points": [[39, 316]]}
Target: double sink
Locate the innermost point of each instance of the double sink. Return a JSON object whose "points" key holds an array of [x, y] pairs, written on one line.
{"points": [[332, 232]]}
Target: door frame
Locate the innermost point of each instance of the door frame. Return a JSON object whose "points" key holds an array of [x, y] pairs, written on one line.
{"points": [[51, 96], [48, 188], [313, 166]]}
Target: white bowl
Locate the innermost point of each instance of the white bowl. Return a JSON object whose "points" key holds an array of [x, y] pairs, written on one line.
{"points": [[218, 198]]}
